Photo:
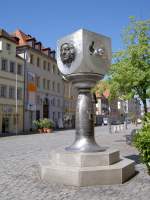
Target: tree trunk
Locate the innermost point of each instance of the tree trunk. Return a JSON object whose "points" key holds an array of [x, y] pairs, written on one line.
{"points": [[145, 106]]}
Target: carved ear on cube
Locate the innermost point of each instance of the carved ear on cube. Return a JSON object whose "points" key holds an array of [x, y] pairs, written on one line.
{"points": [[84, 52]]}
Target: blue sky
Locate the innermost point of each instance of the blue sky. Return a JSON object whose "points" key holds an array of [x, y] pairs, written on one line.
{"points": [[49, 20]]}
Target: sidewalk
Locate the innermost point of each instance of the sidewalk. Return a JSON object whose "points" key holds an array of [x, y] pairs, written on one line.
{"points": [[19, 177]]}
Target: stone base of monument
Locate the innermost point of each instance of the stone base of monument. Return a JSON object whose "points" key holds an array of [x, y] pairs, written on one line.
{"points": [[85, 169]]}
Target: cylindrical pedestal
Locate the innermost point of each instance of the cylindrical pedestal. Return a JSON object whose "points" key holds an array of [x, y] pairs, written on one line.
{"points": [[84, 139]]}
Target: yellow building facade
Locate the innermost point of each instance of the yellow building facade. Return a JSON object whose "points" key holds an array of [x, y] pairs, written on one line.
{"points": [[11, 86]]}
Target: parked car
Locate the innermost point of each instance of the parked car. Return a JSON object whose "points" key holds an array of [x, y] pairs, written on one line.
{"points": [[117, 122], [99, 120], [128, 121], [105, 121], [139, 121]]}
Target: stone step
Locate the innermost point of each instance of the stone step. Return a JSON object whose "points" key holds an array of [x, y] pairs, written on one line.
{"points": [[72, 159], [85, 176]]}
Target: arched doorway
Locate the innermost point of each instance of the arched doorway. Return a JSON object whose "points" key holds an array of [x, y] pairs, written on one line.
{"points": [[5, 125], [46, 108]]}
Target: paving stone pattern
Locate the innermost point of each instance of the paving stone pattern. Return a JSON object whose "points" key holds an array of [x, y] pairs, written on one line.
{"points": [[19, 177]]}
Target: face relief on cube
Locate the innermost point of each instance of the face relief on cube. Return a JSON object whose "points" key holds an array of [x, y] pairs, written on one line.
{"points": [[84, 52]]}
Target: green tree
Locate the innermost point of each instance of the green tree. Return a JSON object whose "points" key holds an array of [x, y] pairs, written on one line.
{"points": [[130, 71], [103, 88]]}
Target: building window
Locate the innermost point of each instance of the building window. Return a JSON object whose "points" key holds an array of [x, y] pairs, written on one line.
{"points": [[49, 67], [58, 102], [48, 84], [53, 116], [58, 87], [4, 64], [38, 61], [38, 81], [12, 67], [8, 46], [19, 93], [38, 99], [44, 65], [3, 91], [54, 69], [54, 102], [58, 72], [44, 83], [31, 58], [53, 86], [11, 92], [59, 115], [19, 69]]}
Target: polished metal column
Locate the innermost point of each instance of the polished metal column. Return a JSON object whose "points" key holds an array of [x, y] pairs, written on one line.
{"points": [[84, 138]]}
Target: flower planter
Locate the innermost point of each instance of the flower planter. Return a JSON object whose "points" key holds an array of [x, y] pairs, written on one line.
{"points": [[44, 130], [40, 130], [49, 130], [44, 125]]}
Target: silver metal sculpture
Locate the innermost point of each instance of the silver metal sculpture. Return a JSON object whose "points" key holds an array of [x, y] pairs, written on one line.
{"points": [[83, 58]]}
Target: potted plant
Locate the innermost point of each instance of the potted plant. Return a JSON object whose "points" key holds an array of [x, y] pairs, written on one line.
{"points": [[47, 125], [38, 125]]}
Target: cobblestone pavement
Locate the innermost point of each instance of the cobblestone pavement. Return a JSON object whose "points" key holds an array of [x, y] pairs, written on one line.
{"points": [[19, 178]]}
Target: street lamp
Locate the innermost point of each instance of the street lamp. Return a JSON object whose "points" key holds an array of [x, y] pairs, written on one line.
{"points": [[126, 113], [16, 99]]}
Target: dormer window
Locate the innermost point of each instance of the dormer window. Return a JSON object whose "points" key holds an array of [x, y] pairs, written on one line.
{"points": [[31, 42], [38, 45], [52, 54], [46, 51]]}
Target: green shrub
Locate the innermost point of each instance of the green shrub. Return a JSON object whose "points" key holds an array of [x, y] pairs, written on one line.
{"points": [[37, 124], [142, 142], [43, 123], [47, 123]]}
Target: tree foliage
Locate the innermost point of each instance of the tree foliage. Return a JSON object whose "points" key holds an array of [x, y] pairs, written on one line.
{"points": [[142, 142], [130, 71], [104, 88]]}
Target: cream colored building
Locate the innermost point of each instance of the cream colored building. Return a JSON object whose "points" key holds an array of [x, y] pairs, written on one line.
{"points": [[47, 99], [11, 86]]}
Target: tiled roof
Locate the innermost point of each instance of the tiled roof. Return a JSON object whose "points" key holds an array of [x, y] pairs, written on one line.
{"points": [[6, 35], [105, 94], [22, 37]]}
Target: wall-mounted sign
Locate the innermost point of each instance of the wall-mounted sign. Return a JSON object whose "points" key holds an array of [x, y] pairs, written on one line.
{"points": [[31, 92]]}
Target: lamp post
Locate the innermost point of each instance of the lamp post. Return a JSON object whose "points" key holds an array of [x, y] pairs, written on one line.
{"points": [[16, 99], [126, 113], [136, 111], [109, 121]]}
